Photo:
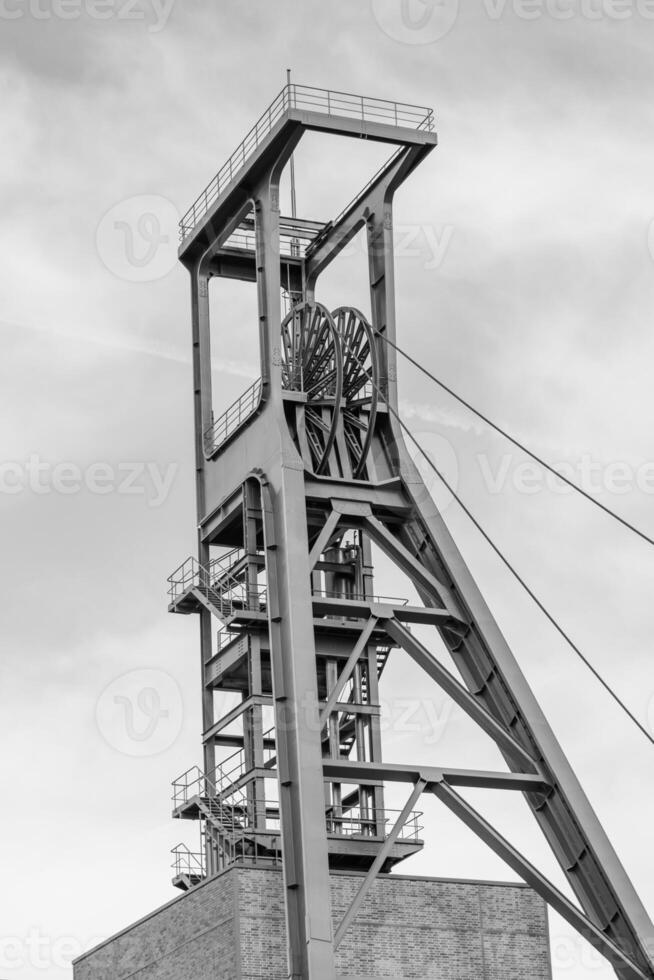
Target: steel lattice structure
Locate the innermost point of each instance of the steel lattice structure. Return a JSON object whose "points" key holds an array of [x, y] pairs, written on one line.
{"points": [[295, 483]]}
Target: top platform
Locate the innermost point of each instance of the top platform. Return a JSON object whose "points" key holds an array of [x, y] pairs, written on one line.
{"points": [[312, 108]]}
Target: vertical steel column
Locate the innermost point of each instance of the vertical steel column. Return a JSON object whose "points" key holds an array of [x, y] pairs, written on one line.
{"points": [[382, 293], [253, 719], [375, 733], [200, 324], [306, 869], [293, 655]]}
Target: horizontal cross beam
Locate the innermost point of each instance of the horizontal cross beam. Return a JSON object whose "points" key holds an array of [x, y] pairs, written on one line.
{"points": [[366, 773]]}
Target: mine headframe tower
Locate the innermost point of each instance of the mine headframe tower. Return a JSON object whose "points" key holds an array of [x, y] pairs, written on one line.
{"points": [[295, 483]]}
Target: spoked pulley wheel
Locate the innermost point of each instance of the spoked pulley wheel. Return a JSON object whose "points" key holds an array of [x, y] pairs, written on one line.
{"points": [[312, 363], [360, 383]]}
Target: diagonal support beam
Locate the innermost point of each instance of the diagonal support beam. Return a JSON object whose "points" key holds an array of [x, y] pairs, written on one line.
{"points": [[322, 540], [459, 694], [378, 863], [624, 965], [348, 670], [349, 222], [417, 572], [490, 669], [256, 700]]}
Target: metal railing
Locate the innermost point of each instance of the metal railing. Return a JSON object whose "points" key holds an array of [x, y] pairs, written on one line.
{"points": [[363, 107], [331, 103], [240, 815], [233, 767], [222, 589], [191, 783], [222, 566], [289, 244], [191, 574], [224, 637], [245, 406], [196, 783], [183, 578], [359, 597], [187, 862], [233, 822], [372, 822]]}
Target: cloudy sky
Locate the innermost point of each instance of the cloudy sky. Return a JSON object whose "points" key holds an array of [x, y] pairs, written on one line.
{"points": [[525, 280]]}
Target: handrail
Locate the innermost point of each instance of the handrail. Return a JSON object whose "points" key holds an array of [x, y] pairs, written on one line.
{"points": [[360, 597], [225, 591], [191, 573], [292, 96], [183, 577], [238, 412], [188, 862], [242, 813], [240, 754], [224, 563], [367, 821], [234, 163], [195, 782], [291, 246]]}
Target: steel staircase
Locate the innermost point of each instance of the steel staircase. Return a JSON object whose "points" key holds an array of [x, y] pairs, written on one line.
{"points": [[347, 728], [221, 587], [232, 825]]}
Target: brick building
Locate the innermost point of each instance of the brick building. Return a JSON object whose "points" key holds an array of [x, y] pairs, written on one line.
{"points": [[231, 927]]}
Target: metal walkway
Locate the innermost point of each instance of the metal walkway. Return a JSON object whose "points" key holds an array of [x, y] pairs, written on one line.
{"points": [[325, 101]]}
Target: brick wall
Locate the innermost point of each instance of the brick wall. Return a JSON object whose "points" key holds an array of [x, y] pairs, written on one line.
{"points": [[191, 937], [408, 929]]}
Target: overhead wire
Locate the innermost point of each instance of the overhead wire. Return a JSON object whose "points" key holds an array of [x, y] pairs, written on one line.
{"points": [[508, 564], [516, 442]]}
